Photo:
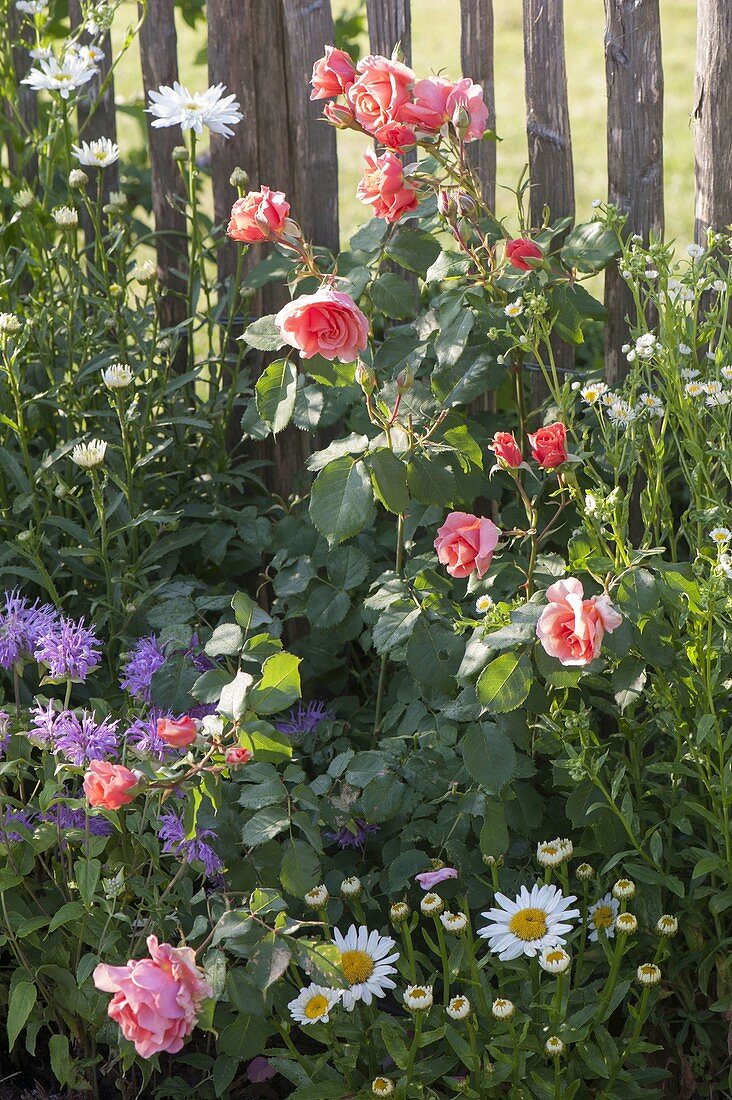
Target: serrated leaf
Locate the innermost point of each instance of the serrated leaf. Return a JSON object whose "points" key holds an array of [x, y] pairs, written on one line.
{"points": [[327, 606], [22, 999], [276, 391], [414, 249], [429, 481], [393, 296], [265, 825], [300, 869], [279, 686], [504, 683], [389, 479], [263, 334], [341, 501], [347, 567], [489, 756]]}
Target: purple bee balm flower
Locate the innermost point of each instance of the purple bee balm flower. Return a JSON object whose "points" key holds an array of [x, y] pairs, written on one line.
{"points": [[143, 736], [305, 719], [200, 661], [69, 650], [173, 834], [84, 739], [429, 879], [47, 722], [64, 818], [146, 657], [12, 821], [354, 835], [4, 733], [21, 624]]}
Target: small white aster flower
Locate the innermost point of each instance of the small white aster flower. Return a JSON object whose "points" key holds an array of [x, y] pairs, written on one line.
{"points": [[24, 198], [534, 919], [719, 285], [483, 604], [689, 374], [651, 274], [695, 251], [724, 565], [602, 915], [177, 106], [667, 925], [317, 898], [382, 1086], [684, 349], [458, 1008], [118, 376], [515, 308], [418, 998], [624, 888], [89, 455], [693, 389], [144, 272], [726, 372], [720, 535], [455, 923], [96, 154], [714, 400], [314, 1004], [554, 1046], [648, 974], [591, 504], [550, 853], [584, 871], [609, 398], [596, 203], [365, 963], [10, 324], [620, 413], [32, 7], [64, 77], [555, 960], [351, 887], [431, 904], [632, 355], [502, 1009], [627, 923], [712, 387], [118, 200], [90, 55], [651, 403], [687, 294], [41, 53], [66, 217], [592, 393]]}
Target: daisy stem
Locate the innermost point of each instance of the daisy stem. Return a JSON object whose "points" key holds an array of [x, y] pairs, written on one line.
{"points": [[409, 949], [445, 960], [418, 1022], [557, 1080], [612, 978], [472, 1038], [516, 1059], [583, 927], [293, 1049], [556, 1011], [323, 914]]}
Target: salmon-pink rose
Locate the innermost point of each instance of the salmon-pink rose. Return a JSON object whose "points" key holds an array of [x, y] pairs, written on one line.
{"points": [[109, 786], [259, 216], [156, 1001], [384, 187], [427, 109], [237, 755], [429, 879], [395, 136], [327, 323], [341, 115], [466, 108], [178, 732], [549, 445], [570, 627], [333, 74], [465, 544], [381, 88], [505, 447], [520, 250]]}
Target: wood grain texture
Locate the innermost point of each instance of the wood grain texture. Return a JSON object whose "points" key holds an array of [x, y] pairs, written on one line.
{"points": [[712, 114], [22, 157], [390, 21], [634, 75], [159, 60], [477, 62], [95, 112]]}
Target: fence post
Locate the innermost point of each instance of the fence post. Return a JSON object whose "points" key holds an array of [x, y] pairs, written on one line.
{"points": [[21, 36], [476, 57], [712, 113], [634, 76], [96, 113], [159, 60], [390, 21]]}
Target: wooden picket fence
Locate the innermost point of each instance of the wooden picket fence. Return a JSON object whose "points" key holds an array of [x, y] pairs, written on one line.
{"points": [[263, 50]]}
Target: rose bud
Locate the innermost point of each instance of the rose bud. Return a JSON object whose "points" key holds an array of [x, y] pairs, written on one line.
{"points": [[520, 250], [178, 732], [237, 755], [506, 449], [110, 786]]}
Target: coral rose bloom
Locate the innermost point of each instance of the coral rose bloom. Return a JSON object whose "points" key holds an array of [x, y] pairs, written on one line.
{"points": [[382, 87], [258, 216], [156, 1001], [327, 323], [384, 187], [427, 110], [548, 445], [465, 544], [466, 99], [109, 786], [520, 250], [333, 74], [505, 447], [178, 732], [570, 627]]}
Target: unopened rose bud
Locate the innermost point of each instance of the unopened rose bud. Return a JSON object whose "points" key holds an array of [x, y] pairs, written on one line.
{"points": [[461, 120], [404, 380], [443, 202], [365, 378], [340, 116], [239, 178], [237, 756]]}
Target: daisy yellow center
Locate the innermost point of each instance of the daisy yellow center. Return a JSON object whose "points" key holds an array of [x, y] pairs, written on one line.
{"points": [[316, 1007], [528, 924], [191, 105], [418, 992], [458, 1004], [550, 850], [603, 916], [357, 966], [555, 956]]}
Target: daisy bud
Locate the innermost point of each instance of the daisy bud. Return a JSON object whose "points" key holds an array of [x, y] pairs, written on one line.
{"points": [[554, 1046], [382, 1086], [431, 905], [89, 455], [24, 198], [317, 898], [454, 923], [117, 377], [458, 1008], [626, 923], [501, 1009], [180, 154], [10, 324], [667, 925], [239, 178], [554, 960], [418, 998], [77, 178], [65, 217], [648, 974], [351, 887], [584, 871], [624, 889], [144, 272], [399, 912]]}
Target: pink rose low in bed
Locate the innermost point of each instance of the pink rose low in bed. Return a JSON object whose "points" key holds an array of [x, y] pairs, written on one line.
{"points": [[157, 1000], [327, 323], [570, 627], [465, 544]]}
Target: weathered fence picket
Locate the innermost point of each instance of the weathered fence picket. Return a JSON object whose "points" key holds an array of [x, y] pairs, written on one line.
{"points": [[390, 22], [477, 62], [712, 113], [96, 111]]}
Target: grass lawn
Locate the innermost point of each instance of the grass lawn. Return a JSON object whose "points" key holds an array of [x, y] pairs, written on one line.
{"points": [[436, 46]]}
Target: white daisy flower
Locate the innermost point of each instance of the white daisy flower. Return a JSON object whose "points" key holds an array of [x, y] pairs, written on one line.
{"points": [[651, 403], [693, 389], [177, 106], [712, 387], [554, 1046], [317, 898], [365, 963], [66, 217], [31, 7], [382, 1086], [96, 154], [91, 55], [720, 535], [351, 887], [483, 604], [313, 1004], [689, 374], [719, 285], [684, 349], [602, 915], [501, 1009], [10, 324], [646, 340], [89, 455], [431, 904], [555, 960], [724, 565], [687, 294], [648, 974], [455, 923], [714, 400], [620, 413], [627, 923], [609, 398], [515, 308], [592, 393], [64, 77], [695, 251], [667, 925], [458, 1008], [117, 377], [726, 372], [535, 919], [418, 998]]}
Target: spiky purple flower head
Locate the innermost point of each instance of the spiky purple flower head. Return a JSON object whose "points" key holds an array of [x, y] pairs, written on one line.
{"points": [[144, 738], [14, 820], [64, 818], [46, 723], [4, 732], [69, 649], [84, 739], [353, 835], [146, 657], [172, 832], [305, 719], [21, 624]]}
